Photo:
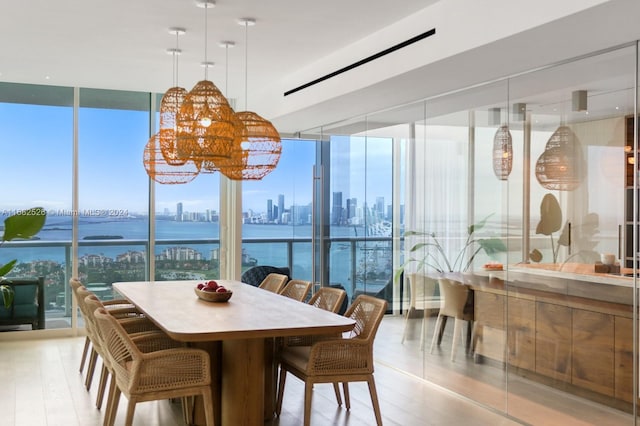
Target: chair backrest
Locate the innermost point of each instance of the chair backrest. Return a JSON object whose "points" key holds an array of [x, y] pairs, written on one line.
{"points": [[255, 275], [367, 311], [75, 284], [422, 290], [122, 352], [296, 289], [454, 298], [328, 298], [274, 282]]}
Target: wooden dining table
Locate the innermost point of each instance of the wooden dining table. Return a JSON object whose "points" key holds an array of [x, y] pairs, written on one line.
{"points": [[239, 336]]}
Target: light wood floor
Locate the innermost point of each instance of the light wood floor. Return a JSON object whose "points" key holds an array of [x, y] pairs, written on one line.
{"points": [[40, 385]]}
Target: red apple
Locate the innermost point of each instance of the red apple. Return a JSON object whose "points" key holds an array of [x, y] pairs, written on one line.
{"points": [[200, 286], [221, 290], [212, 284], [209, 289]]}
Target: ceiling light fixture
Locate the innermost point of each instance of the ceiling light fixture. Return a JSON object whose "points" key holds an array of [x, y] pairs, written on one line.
{"points": [[560, 167], [502, 153], [260, 141]]}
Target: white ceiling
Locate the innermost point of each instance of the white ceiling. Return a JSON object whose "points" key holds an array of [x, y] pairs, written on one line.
{"points": [[121, 44]]}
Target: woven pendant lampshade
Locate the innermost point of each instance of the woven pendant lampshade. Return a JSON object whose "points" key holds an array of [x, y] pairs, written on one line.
{"points": [[160, 171], [561, 166], [169, 107], [203, 107], [261, 148], [502, 153], [237, 161]]}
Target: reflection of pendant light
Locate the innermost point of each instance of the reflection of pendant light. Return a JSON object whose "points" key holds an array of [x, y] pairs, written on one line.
{"points": [[560, 166], [502, 153], [261, 143], [205, 116], [169, 107]]}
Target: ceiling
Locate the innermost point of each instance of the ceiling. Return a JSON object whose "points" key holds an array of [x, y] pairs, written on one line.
{"points": [[121, 44]]}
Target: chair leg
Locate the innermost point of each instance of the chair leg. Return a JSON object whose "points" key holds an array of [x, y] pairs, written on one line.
{"points": [[347, 399], [208, 407], [336, 389], [424, 320], [283, 377], [104, 375], [374, 400], [114, 398], [131, 408], [308, 394], [406, 324], [456, 335], [85, 352], [435, 333], [93, 359]]}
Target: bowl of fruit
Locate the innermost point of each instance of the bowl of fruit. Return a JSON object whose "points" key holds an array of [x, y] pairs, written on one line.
{"points": [[211, 291]]}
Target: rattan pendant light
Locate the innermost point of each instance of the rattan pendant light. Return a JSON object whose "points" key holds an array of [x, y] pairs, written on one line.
{"points": [[162, 172], [169, 107], [260, 142], [502, 153], [561, 166], [204, 121]]}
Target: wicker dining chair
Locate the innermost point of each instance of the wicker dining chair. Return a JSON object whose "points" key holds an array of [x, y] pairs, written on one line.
{"points": [[340, 360], [328, 298], [133, 325], [115, 304], [296, 289], [274, 282], [150, 376]]}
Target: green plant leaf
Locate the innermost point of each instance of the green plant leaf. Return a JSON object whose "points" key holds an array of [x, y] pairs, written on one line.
{"points": [[550, 216], [7, 295], [7, 267], [25, 224], [492, 245], [478, 225]]}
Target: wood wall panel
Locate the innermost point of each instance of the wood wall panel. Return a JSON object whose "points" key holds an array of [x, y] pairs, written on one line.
{"points": [[592, 361], [521, 338], [623, 358], [553, 341]]}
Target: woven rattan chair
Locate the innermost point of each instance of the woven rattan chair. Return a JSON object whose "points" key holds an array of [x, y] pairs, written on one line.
{"points": [[340, 360], [296, 289], [151, 376], [115, 304], [274, 282], [328, 298], [132, 324], [453, 303], [422, 298]]}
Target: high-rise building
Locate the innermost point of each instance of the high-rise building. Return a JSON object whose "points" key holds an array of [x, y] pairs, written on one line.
{"points": [[336, 212], [380, 207], [179, 212], [280, 208], [270, 210]]}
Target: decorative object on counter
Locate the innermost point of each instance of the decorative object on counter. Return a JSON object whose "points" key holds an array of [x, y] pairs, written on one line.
{"points": [[21, 225], [550, 222], [561, 166], [502, 153], [603, 268], [435, 257]]}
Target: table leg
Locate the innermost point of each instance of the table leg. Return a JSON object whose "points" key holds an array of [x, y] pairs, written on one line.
{"points": [[243, 382], [215, 355]]}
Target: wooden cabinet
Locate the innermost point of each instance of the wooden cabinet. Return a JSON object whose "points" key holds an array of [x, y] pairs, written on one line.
{"points": [[592, 357], [521, 336], [623, 358], [553, 341]]}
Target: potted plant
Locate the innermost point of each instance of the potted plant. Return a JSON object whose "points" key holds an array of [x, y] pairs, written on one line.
{"points": [[437, 258], [24, 224]]}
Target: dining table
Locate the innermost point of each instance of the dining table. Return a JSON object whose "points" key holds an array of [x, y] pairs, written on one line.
{"points": [[240, 336]]}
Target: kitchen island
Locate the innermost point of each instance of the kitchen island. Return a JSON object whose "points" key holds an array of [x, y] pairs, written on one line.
{"points": [[564, 325]]}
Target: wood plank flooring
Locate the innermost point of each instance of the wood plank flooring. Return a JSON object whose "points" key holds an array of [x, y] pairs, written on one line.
{"points": [[40, 385]]}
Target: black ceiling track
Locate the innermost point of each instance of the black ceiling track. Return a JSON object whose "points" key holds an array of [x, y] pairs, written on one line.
{"points": [[364, 61]]}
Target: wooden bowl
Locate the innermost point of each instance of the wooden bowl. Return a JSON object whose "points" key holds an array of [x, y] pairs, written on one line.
{"points": [[215, 297]]}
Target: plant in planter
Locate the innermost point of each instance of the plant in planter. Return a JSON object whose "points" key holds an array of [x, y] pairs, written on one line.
{"points": [[437, 259], [24, 225]]}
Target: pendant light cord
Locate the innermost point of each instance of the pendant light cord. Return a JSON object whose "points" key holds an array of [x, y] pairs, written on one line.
{"points": [[246, 63], [206, 63]]}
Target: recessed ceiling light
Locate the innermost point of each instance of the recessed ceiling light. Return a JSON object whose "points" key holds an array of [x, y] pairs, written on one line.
{"points": [[617, 108], [47, 77]]}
